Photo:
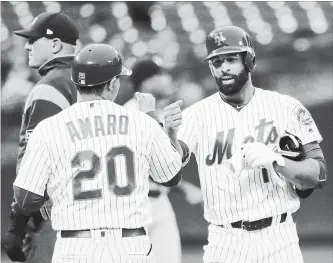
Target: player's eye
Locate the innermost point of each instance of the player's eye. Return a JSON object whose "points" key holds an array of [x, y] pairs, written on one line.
{"points": [[217, 63]]}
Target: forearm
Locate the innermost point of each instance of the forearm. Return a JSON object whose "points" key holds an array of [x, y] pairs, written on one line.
{"points": [[26, 202], [176, 144], [303, 174]]}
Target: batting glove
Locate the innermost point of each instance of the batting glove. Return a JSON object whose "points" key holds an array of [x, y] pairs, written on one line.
{"points": [[257, 154]]}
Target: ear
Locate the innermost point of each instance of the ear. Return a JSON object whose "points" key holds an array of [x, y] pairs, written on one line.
{"points": [[211, 67], [56, 45]]}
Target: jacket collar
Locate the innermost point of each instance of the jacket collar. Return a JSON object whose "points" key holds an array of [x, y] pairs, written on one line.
{"points": [[57, 62]]}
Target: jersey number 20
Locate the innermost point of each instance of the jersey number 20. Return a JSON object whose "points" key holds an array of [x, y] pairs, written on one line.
{"points": [[95, 160]]}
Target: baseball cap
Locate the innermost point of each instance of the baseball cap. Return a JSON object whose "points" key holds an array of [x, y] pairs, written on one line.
{"points": [[52, 25], [143, 70]]}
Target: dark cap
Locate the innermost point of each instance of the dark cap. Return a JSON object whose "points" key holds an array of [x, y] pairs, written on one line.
{"points": [[52, 25], [143, 70]]}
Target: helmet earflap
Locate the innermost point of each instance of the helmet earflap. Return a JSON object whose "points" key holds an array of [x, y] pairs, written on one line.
{"points": [[250, 60]]}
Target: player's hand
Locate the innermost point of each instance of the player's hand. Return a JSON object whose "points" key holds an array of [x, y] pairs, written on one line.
{"points": [[14, 247], [258, 154], [173, 116], [147, 102]]}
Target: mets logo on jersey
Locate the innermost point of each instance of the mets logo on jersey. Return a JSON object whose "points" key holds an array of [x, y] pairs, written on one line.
{"points": [[219, 38], [82, 78], [266, 133]]}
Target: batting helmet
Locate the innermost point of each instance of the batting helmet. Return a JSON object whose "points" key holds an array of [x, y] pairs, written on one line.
{"points": [[97, 64], [230, 39]]}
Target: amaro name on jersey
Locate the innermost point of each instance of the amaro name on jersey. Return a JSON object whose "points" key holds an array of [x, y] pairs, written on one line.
{"points": [[110, 125]]}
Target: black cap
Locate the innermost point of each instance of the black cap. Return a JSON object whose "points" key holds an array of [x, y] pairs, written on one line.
{"points": [[52, 25], [143, 70]]}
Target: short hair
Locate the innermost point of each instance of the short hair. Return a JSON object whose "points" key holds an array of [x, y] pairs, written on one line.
{"points": [[96, 89]]}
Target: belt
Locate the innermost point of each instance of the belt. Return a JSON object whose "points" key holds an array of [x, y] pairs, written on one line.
{"points": [[126, 232], [256, 225], [154, 193]]}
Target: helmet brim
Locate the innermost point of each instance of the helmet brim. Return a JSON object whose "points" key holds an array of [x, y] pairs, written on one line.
{"points": [[227, 50], [125, 71]]}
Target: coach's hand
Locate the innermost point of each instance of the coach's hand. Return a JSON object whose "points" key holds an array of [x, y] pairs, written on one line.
{"points": [[14, 245], [147, 102], [173, 116]]}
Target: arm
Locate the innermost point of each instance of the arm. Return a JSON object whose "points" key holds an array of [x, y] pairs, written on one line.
{"points": [[147, 105], [165, 163], [181, 125], [308, 173], [30, 184], [29, 188]]}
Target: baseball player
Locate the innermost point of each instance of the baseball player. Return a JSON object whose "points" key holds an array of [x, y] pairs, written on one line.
{"points": [[149, 77], [249, 189], [51, 43], [93, 159]]}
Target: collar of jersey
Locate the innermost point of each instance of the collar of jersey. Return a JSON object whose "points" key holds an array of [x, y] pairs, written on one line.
{"points": [[56, 62]]}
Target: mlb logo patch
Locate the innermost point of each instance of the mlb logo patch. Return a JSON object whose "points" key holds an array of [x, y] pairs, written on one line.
{"points": [[28, 134], [82, 78]]}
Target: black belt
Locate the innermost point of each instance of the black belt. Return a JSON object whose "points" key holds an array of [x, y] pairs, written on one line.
{"points": [[126, 232], [256, 225], [154, 193]]}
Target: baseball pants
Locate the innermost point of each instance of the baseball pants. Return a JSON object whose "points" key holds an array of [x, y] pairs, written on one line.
{"points": [[163, 231], [274, 244], [104, 246]]}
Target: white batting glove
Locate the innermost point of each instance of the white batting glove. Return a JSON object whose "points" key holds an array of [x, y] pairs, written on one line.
{"points": [[173, 116], [147, 102], [257, 154]]}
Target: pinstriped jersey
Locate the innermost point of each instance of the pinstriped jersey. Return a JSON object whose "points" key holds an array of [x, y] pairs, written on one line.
{"points": [[214, 131], [94, 158]]}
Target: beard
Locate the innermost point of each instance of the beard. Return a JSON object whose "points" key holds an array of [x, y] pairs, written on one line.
{"points": [[236, 86]]}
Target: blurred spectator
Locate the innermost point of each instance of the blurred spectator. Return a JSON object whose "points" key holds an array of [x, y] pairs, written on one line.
{"points": [[190, 93], [5, 69], [15, 90]]}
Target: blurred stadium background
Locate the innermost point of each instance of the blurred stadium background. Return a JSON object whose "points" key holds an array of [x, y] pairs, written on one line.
{"points": [[293, 42]]}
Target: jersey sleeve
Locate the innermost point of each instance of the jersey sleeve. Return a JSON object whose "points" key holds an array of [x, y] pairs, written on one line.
{"points": [[165, 161], [302, 124], [188, 132], [43, 102], [35, 168]]}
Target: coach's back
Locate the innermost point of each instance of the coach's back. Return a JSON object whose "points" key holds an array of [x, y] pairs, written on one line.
{"points": [[100, 156]]}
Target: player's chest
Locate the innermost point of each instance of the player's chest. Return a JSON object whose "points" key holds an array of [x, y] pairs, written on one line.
{"points": [[224, 133]]}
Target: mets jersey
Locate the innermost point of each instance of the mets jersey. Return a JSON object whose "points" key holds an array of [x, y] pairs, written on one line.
{"points": [[214, 131], [94, 159]]}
